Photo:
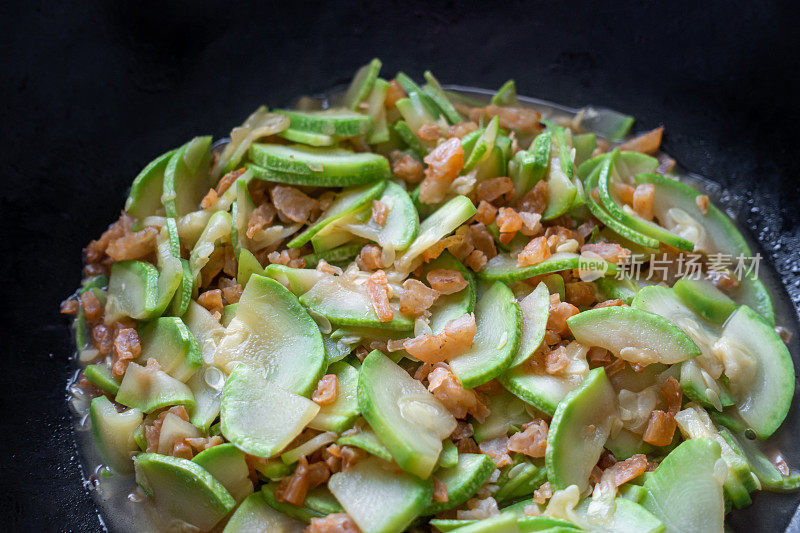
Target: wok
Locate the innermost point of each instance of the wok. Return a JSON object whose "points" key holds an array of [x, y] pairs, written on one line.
{"points": [[94, 90]]}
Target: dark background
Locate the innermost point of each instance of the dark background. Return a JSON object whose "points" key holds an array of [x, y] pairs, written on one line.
{"points": [[91, 91]]}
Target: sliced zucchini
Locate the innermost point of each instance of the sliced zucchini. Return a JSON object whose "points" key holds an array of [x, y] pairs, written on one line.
{"points": [[100, 376], [506, 95], [696, 375], [633, 335], [261, 418], [187, 177], [183, 294], [183, 489], [626, 444], [174, 429], [519, 480], [228, 314], [379, 499], [227, 464], [483, 145], [499, 325], [610, 124], [604, 169], [561, 190], [535, 309], [418, 110], [207, 331], [298, 280], [377, 110], [273, 469], [308, 447], [624, 288], [347, 304], [504, 267], [113, 433], [334, 167], [765, 382], [144, 199], [402, 222], [321, 500], [307, 137], [449, 456], [339, 255], [216, 232], [769, 476], [634, 493], [505, 410], [335, 350], [254, 515], [340, 414], [502, 523], [442, 222], [754, 294], [580, 427], [584, 144], [149, 389], [170, 269], [403, 131], [705, 299], [169, 341], [629, 164], [542, 390], [260, 124], [362, 84], [367, 441], [332, 122], [330, 238], [711, 232], [695, 423], [685, 491], [434, 90], [628, 517], [206, 397], [628, 217], [132, 291], [346, 202], [408, 419], [492, 166], [273, 331], [528, 167]]}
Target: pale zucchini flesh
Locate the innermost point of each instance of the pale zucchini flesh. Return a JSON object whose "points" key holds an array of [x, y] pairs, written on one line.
{"points": [[378, 498], [632, 334], [765, 392], [499, 323], [113, 433], [408, 419], [183, 489], [535, 308], [254, 515], [579, 430], [273, 331], [260, 418], [684, 492]]}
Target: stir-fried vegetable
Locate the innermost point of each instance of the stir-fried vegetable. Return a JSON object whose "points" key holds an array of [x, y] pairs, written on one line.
{"points": [[411, 309]]}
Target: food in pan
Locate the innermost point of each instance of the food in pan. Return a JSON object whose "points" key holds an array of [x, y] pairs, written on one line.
{"points": [[402, 308]]}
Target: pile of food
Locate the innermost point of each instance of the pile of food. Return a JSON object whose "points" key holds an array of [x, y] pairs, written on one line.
{"points": [[404, 308]]}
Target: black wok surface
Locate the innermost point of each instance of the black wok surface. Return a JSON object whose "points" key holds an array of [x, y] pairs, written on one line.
{"points": [[91, 91]]}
